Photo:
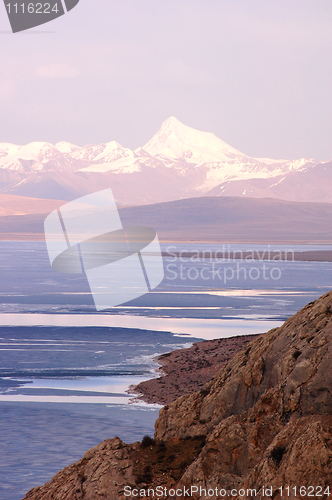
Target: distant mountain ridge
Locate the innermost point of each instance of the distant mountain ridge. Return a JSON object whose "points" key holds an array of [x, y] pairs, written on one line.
{"points": [[178, 162], [203, 219]]}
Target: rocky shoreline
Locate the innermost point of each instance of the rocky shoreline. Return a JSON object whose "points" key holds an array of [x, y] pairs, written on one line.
{"points": [[263, 420], [185, 371]]}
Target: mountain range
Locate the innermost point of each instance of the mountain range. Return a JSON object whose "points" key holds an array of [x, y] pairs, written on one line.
{"points": [[178, 162]]}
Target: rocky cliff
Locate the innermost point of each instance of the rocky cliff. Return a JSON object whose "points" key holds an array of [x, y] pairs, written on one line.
{"points": [[263, 421]]}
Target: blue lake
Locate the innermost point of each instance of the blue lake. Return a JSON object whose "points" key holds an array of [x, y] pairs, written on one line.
{"points": [[65, 369]]}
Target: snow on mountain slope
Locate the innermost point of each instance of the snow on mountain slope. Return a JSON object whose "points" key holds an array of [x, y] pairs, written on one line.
{"points": [[182, 148], [220, 161], [66, 147], [250, 168], [114, 151], [176, 140], [312, 183], [88, 152], [7, 148], [178, 162], [119, 165], [62, 156], [33, 155]]}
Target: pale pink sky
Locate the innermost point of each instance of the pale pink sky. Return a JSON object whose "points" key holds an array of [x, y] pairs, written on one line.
{"points": [[256, 73]]}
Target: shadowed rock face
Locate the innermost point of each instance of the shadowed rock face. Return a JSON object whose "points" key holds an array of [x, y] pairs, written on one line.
{"points": [[96, 475], [266, 417], [290, 364]]}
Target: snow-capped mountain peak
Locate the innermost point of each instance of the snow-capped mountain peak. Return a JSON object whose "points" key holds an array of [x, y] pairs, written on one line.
{"points": [[41, 151], [7, 148], [66, 147], [176, 140], [20, 157], [178, 162], [113, 151]]}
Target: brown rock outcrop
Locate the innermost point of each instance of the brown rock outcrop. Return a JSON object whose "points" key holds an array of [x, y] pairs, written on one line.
{"points": [[101, 473], [265, 420]]}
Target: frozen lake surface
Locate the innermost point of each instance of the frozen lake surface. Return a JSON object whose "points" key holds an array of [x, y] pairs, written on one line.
{"points": [[65, 369]]}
